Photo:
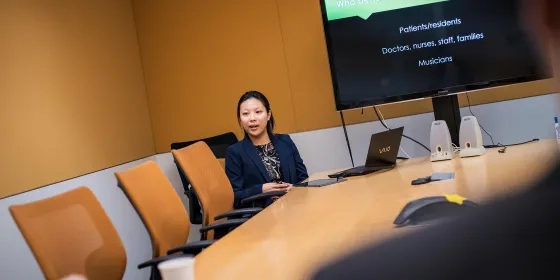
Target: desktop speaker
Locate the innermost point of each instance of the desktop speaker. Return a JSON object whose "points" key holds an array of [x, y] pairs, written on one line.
{"points": [[470, 138], [440, 142]]}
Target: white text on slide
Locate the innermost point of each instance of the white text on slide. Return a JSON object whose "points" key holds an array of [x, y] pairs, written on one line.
{"points": [[429, 25], [434, 61], [346, 3], [431, 44]]}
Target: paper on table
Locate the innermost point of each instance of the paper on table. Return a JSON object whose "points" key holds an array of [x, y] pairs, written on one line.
{"points": [[443, 176]]}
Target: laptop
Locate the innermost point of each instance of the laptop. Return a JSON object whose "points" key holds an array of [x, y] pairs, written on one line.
{"points": [[382, 154]]}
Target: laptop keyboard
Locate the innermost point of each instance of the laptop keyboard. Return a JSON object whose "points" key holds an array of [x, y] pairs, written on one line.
{"points": [[357, 171]]}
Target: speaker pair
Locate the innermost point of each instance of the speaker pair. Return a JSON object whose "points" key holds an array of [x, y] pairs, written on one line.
{"points": [[470, 139]]}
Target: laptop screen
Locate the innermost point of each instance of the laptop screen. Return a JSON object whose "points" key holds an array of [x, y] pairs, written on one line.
{"points": [[384, 148]]}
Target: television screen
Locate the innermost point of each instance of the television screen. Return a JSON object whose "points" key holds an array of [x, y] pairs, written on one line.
{"points": [[384, 51]]}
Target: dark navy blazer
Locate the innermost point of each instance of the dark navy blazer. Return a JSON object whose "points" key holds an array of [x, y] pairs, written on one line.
{"points": [[247, 173]]}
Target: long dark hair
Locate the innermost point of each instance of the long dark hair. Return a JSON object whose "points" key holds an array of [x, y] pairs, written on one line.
{"points": [[259, 96]]}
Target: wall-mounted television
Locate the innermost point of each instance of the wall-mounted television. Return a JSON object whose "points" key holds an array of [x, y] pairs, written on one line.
{"points": [[384, 51]]}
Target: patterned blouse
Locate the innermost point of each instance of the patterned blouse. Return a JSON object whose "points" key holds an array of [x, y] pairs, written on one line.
{"points": [[271, 161]]}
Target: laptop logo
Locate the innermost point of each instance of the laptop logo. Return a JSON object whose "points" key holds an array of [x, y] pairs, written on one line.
{"points": [[384, 150]]}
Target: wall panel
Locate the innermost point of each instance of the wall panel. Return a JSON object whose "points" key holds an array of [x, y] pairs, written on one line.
{"points": [[72, 95], [199, 57]]}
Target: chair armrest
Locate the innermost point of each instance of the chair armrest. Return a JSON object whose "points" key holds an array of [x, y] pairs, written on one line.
{"points": [[156, 261], [238, 213], [192, 248], [262, 196], [224, 224]]}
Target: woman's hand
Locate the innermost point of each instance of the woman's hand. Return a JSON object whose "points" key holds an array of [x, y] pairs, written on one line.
{"points": [[290, 187], [274, 187]]}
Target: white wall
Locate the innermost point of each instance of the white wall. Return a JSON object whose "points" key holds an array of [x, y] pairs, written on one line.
{"points": [[508, 122]]}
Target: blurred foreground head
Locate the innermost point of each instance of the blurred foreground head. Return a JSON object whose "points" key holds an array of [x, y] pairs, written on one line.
{"points": [[543, 18]]}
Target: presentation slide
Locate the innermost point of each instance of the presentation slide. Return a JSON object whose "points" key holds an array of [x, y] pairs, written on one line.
{"points": [[386, 48]]}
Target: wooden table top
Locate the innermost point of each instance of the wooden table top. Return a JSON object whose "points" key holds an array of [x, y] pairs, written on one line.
{"points": [[309, 226]]}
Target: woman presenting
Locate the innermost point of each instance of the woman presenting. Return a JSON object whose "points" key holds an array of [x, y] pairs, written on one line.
{"points": [[262, 161]]}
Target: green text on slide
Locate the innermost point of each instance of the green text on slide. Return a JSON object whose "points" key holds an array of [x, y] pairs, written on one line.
{"points": [[337, 9]]}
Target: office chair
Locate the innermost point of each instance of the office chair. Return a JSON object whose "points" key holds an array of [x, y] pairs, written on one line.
{"points": [[214, 190], [162, 212], [70, 233], [218, 144]]}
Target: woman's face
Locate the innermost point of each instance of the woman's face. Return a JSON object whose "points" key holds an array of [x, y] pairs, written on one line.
{"points": [[253, 117]]}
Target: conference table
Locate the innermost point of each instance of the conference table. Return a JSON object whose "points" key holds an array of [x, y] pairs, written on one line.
{"points": [[310, 226]]}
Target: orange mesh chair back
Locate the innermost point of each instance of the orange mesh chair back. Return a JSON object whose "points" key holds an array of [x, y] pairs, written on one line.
{"points": [[208, 178], [158, 205], [71, 234]]}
